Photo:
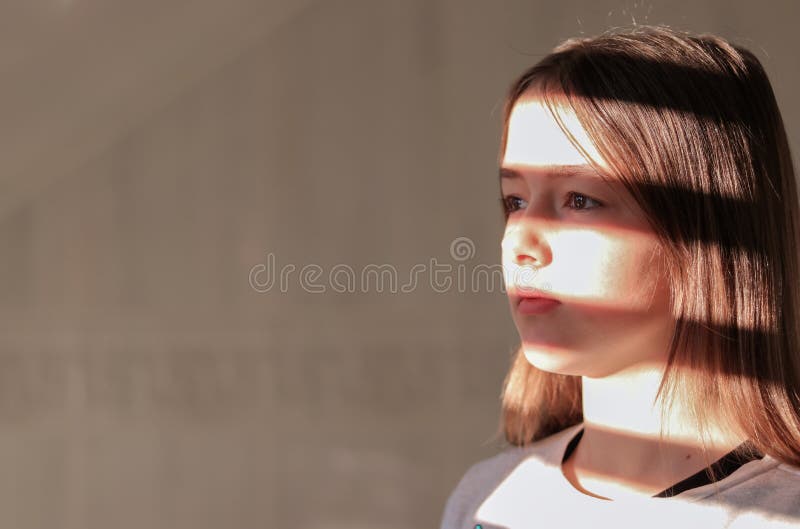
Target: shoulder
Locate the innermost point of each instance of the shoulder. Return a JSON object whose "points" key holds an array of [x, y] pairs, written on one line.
{"points": [[759, 494], [476, 484], [762, 493], [774, 488], [485, 477]]}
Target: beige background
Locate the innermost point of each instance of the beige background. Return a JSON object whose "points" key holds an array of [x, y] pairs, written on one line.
{"points": [[154, 152]]}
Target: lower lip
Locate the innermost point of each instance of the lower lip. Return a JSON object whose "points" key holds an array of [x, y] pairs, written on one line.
{"points": [[536, 305]]}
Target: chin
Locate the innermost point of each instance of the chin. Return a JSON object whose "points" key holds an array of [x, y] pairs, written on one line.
{"points": [[560, 361], [550, 359]]}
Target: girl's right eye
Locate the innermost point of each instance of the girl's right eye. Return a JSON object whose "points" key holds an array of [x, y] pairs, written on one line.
{"points": [[512, 203]]}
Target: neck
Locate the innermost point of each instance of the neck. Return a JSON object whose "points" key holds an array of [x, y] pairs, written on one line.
{"points": [[629, 447]]}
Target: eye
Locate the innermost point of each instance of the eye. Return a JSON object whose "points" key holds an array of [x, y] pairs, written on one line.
{"points": [[576, 201], [581, 202], [511, 204]]}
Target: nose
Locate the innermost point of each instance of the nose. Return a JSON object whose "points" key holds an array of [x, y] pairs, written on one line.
{"points": [[525, 242]]}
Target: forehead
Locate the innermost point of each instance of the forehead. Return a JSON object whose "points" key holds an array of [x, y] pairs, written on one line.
{"points": [[534, 138]]}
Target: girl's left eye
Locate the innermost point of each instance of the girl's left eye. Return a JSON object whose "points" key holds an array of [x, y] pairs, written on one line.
{"points": [[581, 202]]}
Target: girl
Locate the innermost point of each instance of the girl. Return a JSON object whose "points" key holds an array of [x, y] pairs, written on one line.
{"points": [[651, 262]]}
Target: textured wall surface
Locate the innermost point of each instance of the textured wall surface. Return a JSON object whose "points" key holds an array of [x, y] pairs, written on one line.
{"points": [[144, 381]]}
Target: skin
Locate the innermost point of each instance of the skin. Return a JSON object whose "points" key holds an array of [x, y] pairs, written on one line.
{"points": [[574, 237]]}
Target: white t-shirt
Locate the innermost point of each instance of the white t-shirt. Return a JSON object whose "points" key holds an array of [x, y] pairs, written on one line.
{"points": [[522, 488]]}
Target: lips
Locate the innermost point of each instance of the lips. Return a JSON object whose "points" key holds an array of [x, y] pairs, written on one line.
{"points": [[519, 293], [536, 304]]}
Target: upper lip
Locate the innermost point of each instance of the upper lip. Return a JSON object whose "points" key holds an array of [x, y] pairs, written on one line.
{"points": [[535, 294]]}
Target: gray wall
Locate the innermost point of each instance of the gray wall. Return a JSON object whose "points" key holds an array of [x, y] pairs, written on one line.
{"points": [[144, 382]]}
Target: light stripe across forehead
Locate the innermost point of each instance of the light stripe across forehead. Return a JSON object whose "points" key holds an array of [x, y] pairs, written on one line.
{"points": [[534, 138]]}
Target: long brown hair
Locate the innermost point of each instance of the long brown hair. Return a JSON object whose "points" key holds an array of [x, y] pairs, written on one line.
{"points": [[691, 127]]}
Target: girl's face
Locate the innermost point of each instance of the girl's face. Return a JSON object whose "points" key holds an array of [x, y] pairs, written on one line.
{"points": [[575, 238]]}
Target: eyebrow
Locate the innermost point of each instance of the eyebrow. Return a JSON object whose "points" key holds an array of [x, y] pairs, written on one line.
{"points": [[552, 170]]}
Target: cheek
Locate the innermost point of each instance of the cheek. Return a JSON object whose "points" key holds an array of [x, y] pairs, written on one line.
{"points": [[614, 271]]}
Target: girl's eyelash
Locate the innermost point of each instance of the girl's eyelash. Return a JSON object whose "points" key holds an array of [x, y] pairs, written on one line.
{"points": [[505, 202], [575, 195], [509, 207]]}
